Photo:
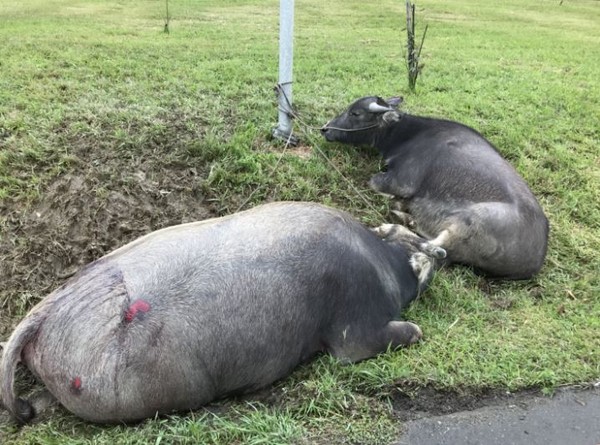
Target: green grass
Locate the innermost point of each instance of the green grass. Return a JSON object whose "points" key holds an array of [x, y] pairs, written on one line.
{"points": [[100, 78]]}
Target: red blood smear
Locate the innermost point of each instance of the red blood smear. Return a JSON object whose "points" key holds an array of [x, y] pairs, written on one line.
{"points": [[138, 306], [76, 383]]}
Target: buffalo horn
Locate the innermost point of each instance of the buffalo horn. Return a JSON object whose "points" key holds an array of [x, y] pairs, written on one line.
{"points": [[376, 108]]}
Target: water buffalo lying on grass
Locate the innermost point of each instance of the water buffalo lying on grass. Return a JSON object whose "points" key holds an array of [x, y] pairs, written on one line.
{"points": [[192, 313], [453, 185]]}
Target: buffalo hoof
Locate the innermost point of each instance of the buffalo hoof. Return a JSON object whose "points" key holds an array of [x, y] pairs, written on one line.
{"points": [[402, 333], [439, 253], [405, 219]]}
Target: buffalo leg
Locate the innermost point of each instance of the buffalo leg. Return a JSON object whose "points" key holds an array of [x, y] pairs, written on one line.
{"points": [[397, 232], [401, 211], [381, 184], [390, 185], [393, 335], [442, 239]]}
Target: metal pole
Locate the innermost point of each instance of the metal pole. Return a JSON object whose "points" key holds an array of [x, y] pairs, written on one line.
{"points": [[286, 62]]}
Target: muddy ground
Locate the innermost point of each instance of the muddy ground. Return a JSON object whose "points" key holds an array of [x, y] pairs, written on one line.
{"points": [[105, 200]]}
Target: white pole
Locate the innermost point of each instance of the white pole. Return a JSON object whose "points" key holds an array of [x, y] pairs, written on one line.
{"points": [[286, 62]]}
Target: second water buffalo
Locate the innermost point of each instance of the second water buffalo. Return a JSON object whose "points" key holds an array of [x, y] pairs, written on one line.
{"points": [[195, 312], [453, 185]]}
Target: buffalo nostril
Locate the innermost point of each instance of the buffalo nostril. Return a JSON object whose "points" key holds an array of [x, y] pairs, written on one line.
{"points": [[324, 129]]}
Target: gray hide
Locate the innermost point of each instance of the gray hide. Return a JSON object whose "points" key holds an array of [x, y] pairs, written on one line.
{"points": [[452, 186], [195, 312]]}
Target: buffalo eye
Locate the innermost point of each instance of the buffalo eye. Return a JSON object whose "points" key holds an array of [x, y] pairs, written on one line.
{"points": [[355, 113]]}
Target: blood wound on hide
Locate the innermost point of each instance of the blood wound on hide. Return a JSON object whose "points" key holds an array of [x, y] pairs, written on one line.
{"points": [[76, 385], [137, 309]]}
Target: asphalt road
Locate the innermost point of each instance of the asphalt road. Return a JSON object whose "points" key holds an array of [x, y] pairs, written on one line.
{"points": [[570, 417]]}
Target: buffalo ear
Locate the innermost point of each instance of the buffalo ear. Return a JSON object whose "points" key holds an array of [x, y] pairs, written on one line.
{"points": [[395, 101], [391, 116]]}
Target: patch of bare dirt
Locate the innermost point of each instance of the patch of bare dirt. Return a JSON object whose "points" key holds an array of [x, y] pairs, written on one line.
{"points": [[302, 151], [430, 402], [107, 198]]}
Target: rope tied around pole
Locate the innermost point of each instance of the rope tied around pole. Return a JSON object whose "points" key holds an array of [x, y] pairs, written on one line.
{"points": [[278, 88]]}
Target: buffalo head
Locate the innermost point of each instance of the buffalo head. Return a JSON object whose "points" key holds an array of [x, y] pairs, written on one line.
{"points": [[359, 123]]}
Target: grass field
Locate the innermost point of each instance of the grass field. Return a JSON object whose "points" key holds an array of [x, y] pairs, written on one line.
{"points": [[110, 128]]}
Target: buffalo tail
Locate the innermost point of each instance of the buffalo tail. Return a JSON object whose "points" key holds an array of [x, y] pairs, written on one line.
{"points": [[21, 410]]}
